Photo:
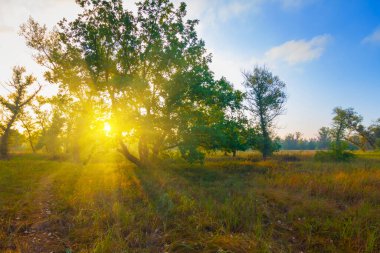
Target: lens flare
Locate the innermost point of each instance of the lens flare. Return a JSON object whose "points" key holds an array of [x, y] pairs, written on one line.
{"points": [[107, 128]]}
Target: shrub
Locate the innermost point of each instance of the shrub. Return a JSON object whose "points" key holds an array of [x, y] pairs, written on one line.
{"points": [[328, 156]]}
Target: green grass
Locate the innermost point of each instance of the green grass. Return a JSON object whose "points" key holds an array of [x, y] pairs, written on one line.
{"points": [[288, 204]]}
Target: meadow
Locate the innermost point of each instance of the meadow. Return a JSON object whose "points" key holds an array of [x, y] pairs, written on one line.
{"points": [[289, 203]]}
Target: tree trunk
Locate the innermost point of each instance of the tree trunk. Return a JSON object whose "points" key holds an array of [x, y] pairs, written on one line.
{"points": [[266, 149], [157, 147], [143, 149], [133, 159], [266, 145], [32, 145], [5, 138], [234, 153], [4, 145], [30, 138], [155, 151]]}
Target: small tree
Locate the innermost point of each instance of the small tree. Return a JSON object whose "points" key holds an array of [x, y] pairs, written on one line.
{"points": [[31, 130], [375, 133], [266, 98], [14, 104], [345, 121]]}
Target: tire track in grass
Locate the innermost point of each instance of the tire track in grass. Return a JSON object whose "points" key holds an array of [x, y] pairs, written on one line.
{"points": [[41, 229]]}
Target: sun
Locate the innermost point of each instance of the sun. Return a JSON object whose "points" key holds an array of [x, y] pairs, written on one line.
{"points": [[107, 128]]}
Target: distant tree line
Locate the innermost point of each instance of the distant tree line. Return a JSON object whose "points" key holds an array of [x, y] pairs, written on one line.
{"points": [[297, 142], [345, 132], [322, 142]]}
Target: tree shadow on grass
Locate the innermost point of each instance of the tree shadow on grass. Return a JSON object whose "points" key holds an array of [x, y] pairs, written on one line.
{"points": [[201, 207]]}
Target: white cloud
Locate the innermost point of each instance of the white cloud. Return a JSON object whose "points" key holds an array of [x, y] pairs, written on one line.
{"points": [[234, 9], [297, 51], [292, 53], [373, 38], [213, 11]]}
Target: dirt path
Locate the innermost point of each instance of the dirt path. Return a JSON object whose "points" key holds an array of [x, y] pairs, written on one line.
{"points": [[40, 229]]}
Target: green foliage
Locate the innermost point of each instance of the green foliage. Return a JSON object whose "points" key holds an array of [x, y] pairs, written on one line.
{"points": [[328, 156], [374, 130], [233, 134], [266, 145], [344, 121], [324, 138], [347, 127], [296, 142], [149, 67]]}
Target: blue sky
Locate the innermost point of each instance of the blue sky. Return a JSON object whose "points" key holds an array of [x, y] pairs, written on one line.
{"points": [[327, 51]]}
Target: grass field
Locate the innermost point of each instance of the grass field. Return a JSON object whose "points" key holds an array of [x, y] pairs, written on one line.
{"points": [[288, 204]]}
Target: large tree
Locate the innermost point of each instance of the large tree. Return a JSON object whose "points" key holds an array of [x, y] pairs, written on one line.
{"points": [[148, 70], [14, 104], [266, 98]]}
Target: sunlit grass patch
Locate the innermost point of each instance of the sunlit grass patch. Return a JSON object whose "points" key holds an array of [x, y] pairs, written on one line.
{"points": [[226, 205]]}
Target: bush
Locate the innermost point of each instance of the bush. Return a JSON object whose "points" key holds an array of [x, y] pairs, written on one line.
{"points": [[328, 156]]}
